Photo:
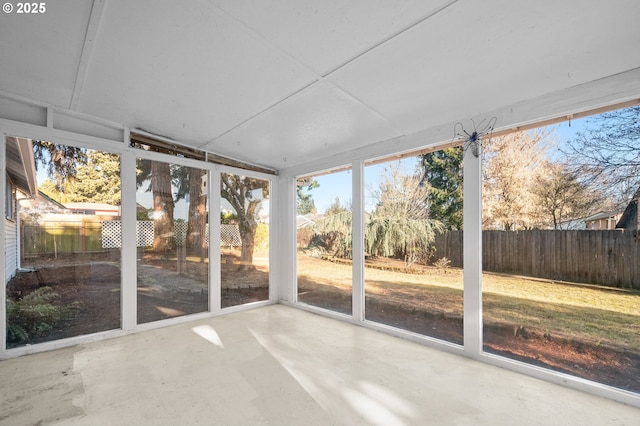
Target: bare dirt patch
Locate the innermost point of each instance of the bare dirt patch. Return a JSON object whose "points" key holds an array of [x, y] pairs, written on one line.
{"points": [[609, 365], [91, 286]]}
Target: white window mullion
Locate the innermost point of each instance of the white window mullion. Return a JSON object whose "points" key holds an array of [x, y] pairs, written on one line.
{"points": [[472, 249], [357, 238], [215, 279], [128, 300]]}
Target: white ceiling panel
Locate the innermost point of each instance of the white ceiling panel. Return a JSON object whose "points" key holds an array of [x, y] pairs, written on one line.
{"points": [[262, 81], [315, 123], [478, 56], [183, 70], [40, 52], [326, 34]]}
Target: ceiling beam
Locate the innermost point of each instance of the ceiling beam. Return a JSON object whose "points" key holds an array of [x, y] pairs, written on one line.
{"points": [[565, 118], [97, 10], [166, 146]]}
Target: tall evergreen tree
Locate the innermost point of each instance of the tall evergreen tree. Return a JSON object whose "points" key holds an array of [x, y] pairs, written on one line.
{"points": [[443, 171], [305, 203], [97, 181], [60, 160], [48, 188]]}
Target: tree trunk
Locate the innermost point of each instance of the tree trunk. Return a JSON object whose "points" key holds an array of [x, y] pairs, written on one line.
{"points": [[163, 239], [197, 225], [248, 227], [248, 245]]}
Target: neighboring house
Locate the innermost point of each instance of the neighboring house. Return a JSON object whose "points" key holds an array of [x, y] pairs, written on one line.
{"points": [[97, 209], [34, 209], [573, 225], [629, 219], [602, 221], [20, 185]]}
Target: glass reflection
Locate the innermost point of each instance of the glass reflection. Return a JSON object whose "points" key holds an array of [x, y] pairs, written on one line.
{"points": [[172, 241], [244, 239], [62, 224]]}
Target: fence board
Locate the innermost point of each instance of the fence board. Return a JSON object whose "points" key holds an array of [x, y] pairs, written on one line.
{"points": [[609, 257]]}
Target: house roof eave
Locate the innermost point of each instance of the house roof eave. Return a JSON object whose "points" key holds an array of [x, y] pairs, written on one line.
{"points": [[25, 146], [20, 164]]}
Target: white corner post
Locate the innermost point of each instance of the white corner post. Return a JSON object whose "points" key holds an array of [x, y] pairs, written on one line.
{"points": [[285, 256], [472, 246], [280, 241], [357, 238]]}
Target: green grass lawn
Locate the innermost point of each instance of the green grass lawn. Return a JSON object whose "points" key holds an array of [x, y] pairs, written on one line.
{"points": [[590, 313]]}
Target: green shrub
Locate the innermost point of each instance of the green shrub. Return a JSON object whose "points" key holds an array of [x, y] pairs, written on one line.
{"points": [[34, 315], [262, 236]]}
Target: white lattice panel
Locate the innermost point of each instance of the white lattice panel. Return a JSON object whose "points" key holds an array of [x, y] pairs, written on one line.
{"points": [[180, 233], [180, 230], [144, 233], [230, 236], [112, 233]]}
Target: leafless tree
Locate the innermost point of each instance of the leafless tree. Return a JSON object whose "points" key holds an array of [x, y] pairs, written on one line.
{"points": [[607, 153]]}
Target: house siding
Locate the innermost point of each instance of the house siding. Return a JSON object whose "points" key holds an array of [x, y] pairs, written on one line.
{"points": [[10, 249]]}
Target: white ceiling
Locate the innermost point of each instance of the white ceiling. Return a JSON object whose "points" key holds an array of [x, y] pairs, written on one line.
{"points": [[277, 83]]}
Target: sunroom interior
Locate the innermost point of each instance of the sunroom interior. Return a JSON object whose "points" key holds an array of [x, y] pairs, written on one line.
{"points": [[136, 133]]}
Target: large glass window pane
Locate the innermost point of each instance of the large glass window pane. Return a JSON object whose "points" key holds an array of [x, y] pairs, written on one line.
{"points": [[172, 240], [324, 241], [413, 244], [560, 251], [62, 245], [244, 239]]}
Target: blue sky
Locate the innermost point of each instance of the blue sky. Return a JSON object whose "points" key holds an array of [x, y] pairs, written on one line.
{"points": [[567, 130], [339, 184]]}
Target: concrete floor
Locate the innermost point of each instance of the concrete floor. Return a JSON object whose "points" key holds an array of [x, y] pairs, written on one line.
{"points": [[281, 366]]}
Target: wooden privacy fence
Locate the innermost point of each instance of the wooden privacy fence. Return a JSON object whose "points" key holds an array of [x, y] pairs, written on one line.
{"points": [[57, 239], [98, 236], [610, 258]]}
